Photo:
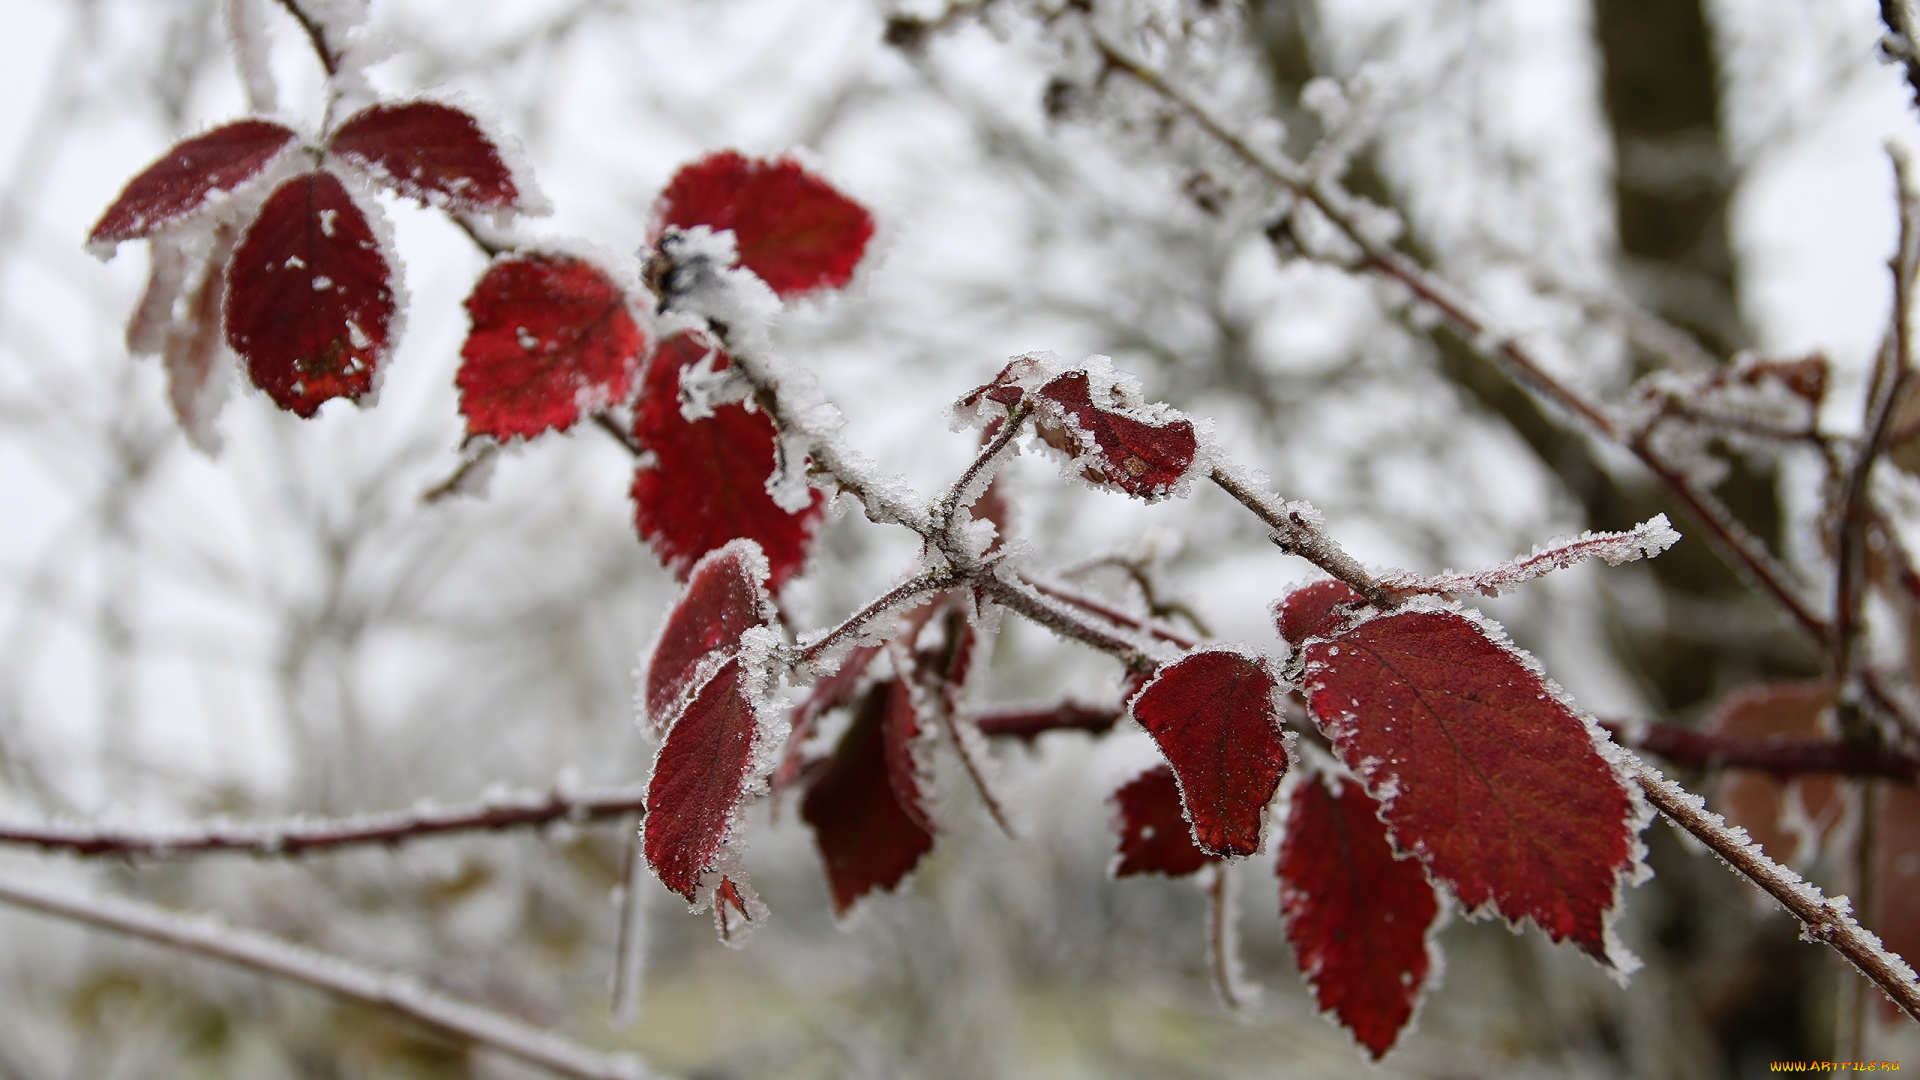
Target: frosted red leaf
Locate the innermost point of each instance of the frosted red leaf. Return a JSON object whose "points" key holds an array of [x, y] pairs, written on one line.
{"points": [[197, 379], [1896, 875], [704, 771], [1145, 460], [868, 837], [1357, 917], [1487, 775], [1154, 835], [1789, 818], [552, 335], [1214, 716], [310, 296], [185, 179], [828, 693], [707, 481], [790, 227], [1317, 610], [725, 597], [431, 152]]}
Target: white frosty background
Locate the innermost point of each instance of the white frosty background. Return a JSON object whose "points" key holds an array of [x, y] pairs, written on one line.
{"points": [[287, 628]]}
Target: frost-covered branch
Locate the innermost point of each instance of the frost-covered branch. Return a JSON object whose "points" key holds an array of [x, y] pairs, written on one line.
{"points": [[1296, 531], [1823, 919], [1644, 541], [303, 835], [1742, 550], [1109, 612], [316, 34], [404, 994], [861, 622]]}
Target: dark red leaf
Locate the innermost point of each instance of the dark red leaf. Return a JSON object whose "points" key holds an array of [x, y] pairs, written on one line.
{"points": [[704, 771], [1154, 835], [1145, 460], [707, 482], [868, 838], [829, 693], [1487, 776], [734, 910], [1759, 802], [1317, 610], [725, 597], [310, 296], [552, 337], [1356, 916], [197, 370], [431, 152], [1214, 716], [790, 227], [184, 181]]}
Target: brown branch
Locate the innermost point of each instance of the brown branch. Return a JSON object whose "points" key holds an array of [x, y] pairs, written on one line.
{"points": [[298, 837], [1783, 757], [1029, 724]]}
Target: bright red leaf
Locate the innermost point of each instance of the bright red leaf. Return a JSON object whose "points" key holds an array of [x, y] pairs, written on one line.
{"points": [[705, 770], [431, 152], [1214, 715], [725, 597], [552, 337], [189, 176], [707, 481], [1144, 458], [1760, 802], [1316, 610], [1356, 916], [1487, 775], [790, 227], [1154, 835], [310, 296], [868, 836]]}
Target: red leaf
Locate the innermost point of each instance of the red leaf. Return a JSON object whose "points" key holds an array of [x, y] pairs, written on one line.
{"points": [[186, 179], [552, 337], [197, 368], [1154, 836], [1144, 459], [309, 296], [790, 227], [1214, 716], [704, 771], [431, 152], [1762, 804], [1487, 775], [1357, 917], [725, 597], [707, 483], [869, 838], [1321, 609]]}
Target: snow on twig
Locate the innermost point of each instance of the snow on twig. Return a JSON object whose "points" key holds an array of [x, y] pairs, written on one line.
{"points": [[296, 836], [404, 994], [1644, 541]]}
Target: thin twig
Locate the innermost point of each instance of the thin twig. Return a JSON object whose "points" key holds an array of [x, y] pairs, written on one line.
{"points": [[856, 624], [1294, 534], [1024, 600], [1823, 919], [297, 837], [401, 993], [1110, 613], [315, 34], [1221, 945]]}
